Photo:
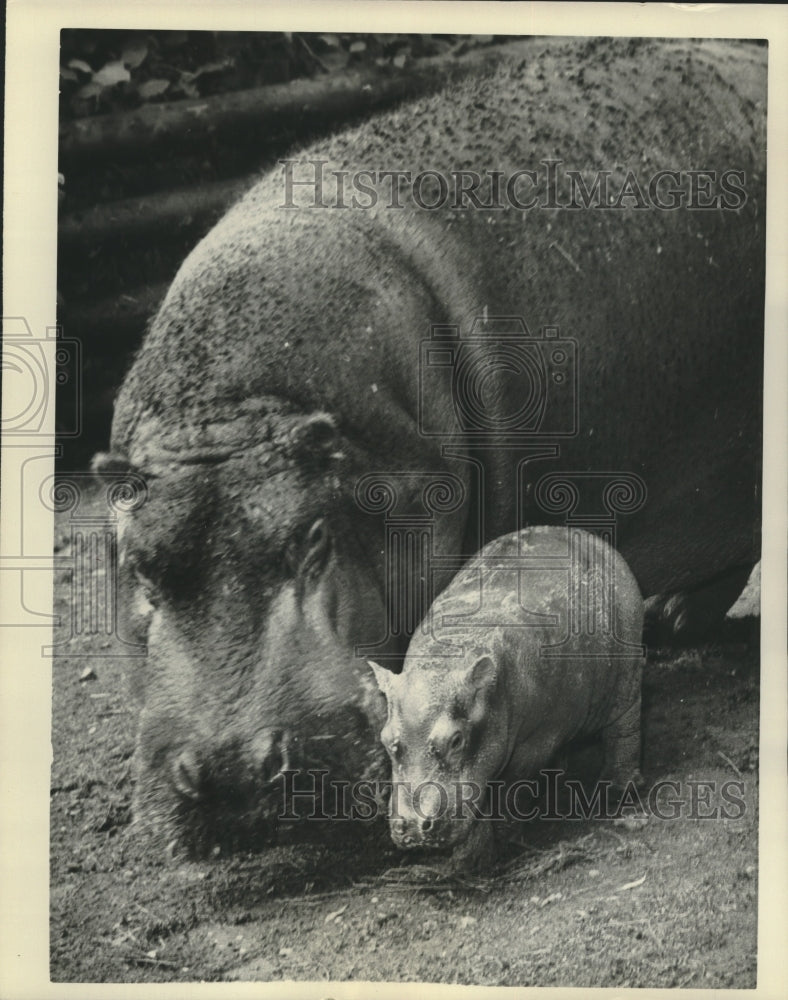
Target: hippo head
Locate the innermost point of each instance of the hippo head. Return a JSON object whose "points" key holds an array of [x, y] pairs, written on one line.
{"points": [[251, 576], [446, 735]]}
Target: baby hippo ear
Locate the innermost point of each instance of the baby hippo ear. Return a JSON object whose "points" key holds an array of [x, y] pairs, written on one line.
{"points": [[479, 683], [383, 677], [315, 436], [482, 675]]}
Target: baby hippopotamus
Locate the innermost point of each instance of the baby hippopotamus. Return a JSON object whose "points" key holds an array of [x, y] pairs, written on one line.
{"points": [[536, 642]]}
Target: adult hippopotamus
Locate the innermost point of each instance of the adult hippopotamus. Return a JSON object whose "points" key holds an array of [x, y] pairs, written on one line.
{"points": [[584, 296], [535, 643]]}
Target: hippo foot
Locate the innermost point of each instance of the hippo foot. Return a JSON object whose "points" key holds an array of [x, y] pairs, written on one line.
{"points": [[694, 616]]}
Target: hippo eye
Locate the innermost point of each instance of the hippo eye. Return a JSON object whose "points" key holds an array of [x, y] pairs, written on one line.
{"points": [[456, 741], [318, 546], [148, 589]]}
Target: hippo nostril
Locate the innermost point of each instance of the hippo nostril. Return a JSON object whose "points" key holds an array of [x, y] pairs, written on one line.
{"points": [[187, 775]]}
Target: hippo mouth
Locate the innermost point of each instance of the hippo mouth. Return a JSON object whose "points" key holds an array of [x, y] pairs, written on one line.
{"points": [[195, 808], [442, 835], [221, 820], [240, 801]]}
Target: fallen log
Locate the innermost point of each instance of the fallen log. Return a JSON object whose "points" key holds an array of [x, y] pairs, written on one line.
{"points": [[170, 216], [253, 117], [114, 325]]}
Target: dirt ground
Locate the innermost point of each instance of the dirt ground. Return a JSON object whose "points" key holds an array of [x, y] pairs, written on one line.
{"points": [[624, 902]]}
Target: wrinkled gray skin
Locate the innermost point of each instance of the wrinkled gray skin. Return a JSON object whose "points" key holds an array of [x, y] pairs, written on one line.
{"points": [[283, 365], [503, 709]]}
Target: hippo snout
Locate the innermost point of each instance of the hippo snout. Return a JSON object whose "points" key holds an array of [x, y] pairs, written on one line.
{"points": [[230, 773], [414, 830], [195, 797]]}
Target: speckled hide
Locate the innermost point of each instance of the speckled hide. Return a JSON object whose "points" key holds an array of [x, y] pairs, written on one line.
{"points": [[286, 363], [534, 644]]}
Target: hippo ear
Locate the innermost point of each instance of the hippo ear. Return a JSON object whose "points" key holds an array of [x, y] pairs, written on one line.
{"points": [[383, 677], [315, 436], [106, 464]]}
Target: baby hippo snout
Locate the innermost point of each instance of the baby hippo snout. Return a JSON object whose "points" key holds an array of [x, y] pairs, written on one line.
{"points": [[418, 818], [414, 832]]}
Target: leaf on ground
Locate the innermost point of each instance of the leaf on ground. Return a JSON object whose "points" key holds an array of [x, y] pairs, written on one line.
{"points": [[152, 88], [632, 885], [335, 913], [89, 90], [134, 55], [112, 73], [335, 60], [214, 67], [188, 89]]}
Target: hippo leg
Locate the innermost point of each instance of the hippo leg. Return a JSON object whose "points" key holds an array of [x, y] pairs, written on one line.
{"points": [[621, 742], [695, 615]]}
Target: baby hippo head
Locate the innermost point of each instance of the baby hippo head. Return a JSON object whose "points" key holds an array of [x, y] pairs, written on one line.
{"points": [[446, 735]]}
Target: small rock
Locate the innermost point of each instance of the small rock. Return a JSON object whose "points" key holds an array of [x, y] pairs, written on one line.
{"points": [[467, 921], [88, 674], [285, 952]]}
